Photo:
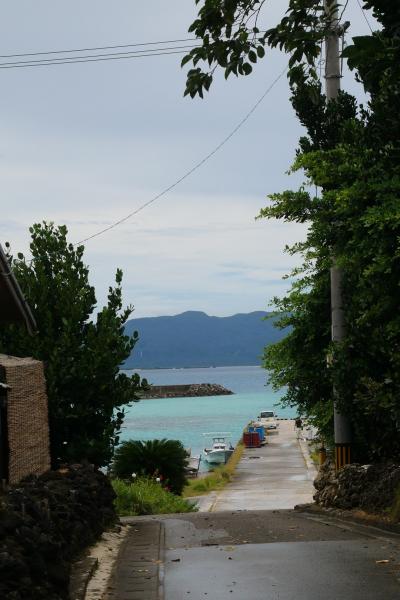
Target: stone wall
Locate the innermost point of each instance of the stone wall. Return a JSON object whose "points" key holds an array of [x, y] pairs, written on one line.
{"points": [[45, 523], [188, 390], [27, 417], [369, 487]]}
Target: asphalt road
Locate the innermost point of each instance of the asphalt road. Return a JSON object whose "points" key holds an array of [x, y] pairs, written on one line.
{"points": [[245, 552], [277, 555]]}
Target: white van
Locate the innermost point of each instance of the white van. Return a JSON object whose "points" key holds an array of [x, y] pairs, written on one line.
{"points": [[268, 419]]}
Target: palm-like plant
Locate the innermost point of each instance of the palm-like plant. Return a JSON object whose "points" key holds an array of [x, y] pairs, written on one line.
{"points": [[166, 459]]}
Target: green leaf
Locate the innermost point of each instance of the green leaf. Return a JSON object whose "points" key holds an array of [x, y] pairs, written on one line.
{"points": [[186, 59], [260, 52], [252, 56], [247, 68]]}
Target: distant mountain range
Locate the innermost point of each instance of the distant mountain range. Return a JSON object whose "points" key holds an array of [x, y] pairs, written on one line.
{"points": [[194, 339]]}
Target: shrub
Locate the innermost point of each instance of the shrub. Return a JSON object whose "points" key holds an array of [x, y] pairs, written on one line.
{"points": [[146, 497], [166, 459]]}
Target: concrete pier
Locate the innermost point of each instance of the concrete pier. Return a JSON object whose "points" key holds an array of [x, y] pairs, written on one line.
{"points": [[277, 476]]}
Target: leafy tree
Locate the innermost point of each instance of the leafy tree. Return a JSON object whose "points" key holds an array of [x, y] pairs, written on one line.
{"points": [[166, 459], [358, 213], [82, 353], [232, 40], [351, 153]]}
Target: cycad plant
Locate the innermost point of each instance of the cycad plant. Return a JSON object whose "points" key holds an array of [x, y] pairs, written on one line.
{"points": [[163, 459]]}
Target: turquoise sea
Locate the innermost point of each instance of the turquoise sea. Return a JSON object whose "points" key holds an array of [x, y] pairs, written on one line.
{"points": [[187, 419]]}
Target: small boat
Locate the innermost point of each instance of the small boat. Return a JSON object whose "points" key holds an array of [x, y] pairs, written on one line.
{"points": [[192, 465], [221, 450]]}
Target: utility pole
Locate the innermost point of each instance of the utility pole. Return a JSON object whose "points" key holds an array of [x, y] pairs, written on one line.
{"points": [[342, 427]]}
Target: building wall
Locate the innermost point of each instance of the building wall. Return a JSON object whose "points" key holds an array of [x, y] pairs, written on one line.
{"points": [[27, 417]]}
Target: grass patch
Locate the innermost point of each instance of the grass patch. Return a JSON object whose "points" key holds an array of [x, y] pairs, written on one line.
{"points": [[217, 479], [146, 497], [314, 455]]}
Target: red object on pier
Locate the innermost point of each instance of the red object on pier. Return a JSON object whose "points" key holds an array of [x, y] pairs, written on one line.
{"points": [[251, 439]]}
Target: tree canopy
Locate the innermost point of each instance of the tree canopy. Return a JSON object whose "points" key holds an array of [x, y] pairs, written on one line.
{"points": [[350, 153], [232, 39], [82, 350], [357, 213]]}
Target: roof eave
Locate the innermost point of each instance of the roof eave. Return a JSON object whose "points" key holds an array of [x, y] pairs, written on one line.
{"points": [[16, 294]]}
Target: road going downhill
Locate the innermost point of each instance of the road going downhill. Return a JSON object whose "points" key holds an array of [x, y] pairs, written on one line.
{"points": [[248, 542], [277, 555]]}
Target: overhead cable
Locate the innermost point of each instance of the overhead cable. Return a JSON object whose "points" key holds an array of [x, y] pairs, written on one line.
{"points": [[365, 16], [94, 57], [190, 171], [63, 57], [114, 47], [344, 10]]}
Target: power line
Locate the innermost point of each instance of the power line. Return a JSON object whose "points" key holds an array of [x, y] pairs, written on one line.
{"points": [[344, 10], [98, 55], [97, 48], [59, 56], [193, 169], [364, 15], [93, 57], [71, 62]]}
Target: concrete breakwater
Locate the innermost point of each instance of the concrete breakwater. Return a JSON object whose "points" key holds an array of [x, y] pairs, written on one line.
{"points": [[187, 390]]}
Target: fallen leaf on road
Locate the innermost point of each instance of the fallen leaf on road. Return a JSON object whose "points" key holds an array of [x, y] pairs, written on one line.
{"points": [[229, 548], [381, 562]]}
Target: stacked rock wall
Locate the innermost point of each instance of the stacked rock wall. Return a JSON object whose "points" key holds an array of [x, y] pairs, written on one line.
{"points": [[46, 522], [369, 487], [186, 390]]}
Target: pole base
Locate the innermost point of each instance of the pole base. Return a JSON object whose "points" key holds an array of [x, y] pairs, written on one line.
{"points": [[342, 455]]}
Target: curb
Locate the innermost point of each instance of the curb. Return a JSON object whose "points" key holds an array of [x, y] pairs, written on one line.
{"points": [[138, 572], [370, 520], [307, 459], [81, 573], [203, 503]]}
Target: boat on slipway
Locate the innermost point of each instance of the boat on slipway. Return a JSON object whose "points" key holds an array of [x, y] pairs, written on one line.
{"points": [[192, 464], [221, 449]]}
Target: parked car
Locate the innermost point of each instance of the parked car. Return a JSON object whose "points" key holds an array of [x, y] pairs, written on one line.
{"points": [[268, 419]]}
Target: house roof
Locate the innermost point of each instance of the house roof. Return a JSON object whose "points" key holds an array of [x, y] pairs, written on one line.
{"points": [[13, 306]]}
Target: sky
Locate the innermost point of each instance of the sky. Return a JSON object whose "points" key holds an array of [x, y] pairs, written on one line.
{"points": [[86, 144]]}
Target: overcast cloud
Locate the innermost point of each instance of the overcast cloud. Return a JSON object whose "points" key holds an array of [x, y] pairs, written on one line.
{"points": [[86, 144]]}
